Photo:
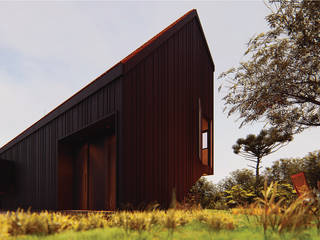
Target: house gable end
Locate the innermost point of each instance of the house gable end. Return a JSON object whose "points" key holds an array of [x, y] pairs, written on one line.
{"points": [[151, 45]]}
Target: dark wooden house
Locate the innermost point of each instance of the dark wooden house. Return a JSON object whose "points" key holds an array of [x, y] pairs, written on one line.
{"points": [[138, 132]]}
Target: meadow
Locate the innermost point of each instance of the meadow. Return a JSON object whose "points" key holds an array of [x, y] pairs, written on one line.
{"points": [[266, 219]]}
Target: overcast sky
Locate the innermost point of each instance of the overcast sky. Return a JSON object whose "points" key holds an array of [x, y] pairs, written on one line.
{"points": [[50, 50]]}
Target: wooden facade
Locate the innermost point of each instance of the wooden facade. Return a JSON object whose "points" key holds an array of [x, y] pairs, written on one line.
{"points": [[132, 136]]}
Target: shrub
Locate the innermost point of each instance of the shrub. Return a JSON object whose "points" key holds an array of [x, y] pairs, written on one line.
{"points": [[204, 194], [238, 196], [216, 220]]}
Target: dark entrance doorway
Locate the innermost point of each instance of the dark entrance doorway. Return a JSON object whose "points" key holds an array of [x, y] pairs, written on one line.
{"points": [[87, 169], [95, 174]]}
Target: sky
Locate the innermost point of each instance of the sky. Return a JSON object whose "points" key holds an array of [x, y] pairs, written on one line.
{"points": [[50, 50]]}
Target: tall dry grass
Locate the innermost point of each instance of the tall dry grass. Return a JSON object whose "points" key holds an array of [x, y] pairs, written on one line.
{"points": [[271, 214], [44, 223]]}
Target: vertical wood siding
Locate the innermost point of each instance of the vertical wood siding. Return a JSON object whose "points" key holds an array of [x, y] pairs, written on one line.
{"points": [[35, 156], [160, 133], [156, 101]]}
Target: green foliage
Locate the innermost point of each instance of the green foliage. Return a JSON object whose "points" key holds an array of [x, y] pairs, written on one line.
{"points": [[287, 193], [238, 196], [265, 143], [238, 189], [235, 190], [282, 170], [279, 83], [207, 194], [271, 214], [243, 177]]}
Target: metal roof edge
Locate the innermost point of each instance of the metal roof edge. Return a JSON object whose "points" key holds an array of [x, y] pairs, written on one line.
{"points": [[205, 40], [141, 52]]}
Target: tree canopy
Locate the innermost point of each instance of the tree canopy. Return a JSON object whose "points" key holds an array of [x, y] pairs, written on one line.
{"points": [[280, 83], [253, 148], [243, 177], [282, 169]]}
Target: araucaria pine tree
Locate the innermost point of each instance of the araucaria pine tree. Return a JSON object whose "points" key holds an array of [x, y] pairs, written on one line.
{"points": [[253, 148]]}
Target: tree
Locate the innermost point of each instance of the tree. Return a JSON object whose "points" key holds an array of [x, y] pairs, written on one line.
{"points": [[280, 83], [282, 169], [243, 177], [204, 193], [253, 148]]}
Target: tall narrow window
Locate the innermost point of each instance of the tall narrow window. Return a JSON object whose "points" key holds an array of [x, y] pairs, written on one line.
{"points": [[204, 138], [199, 129], [205, 135]]}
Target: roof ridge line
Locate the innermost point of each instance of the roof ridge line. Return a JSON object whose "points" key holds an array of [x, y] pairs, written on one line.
{"points": [[151, 40]]}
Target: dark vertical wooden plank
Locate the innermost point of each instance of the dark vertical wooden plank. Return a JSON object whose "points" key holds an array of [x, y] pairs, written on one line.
{"points": [[164, 123], [159, 149], [157, 155], [96, 174], [168, 118], [133, 130], [181, 70], [81, 177], [112, 97], [66, 177], [139, 134], [188, 105], [119, 164], [148, 137], [182, 158], [106, 100], [180, 103], [100, 103], [144, 169], [111, 194]]}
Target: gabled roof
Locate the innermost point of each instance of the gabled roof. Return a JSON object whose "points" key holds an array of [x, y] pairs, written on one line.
{"points": [[152, 40], [162, 36], [113, 73]]}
